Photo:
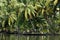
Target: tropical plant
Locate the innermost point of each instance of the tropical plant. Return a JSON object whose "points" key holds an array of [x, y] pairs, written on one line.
{"points": [[30, 16]]}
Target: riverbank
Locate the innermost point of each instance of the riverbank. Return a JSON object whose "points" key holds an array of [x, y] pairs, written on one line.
{"points": [[29, 34]]}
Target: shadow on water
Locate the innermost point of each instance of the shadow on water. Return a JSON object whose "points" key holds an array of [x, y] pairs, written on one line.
{"points": [[22, 37]]}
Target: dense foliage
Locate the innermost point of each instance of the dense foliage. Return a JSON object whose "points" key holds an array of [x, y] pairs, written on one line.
{"points": [[33, 16]]}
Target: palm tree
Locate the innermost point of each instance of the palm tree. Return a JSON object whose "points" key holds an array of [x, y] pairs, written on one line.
{"points": [[29, 15]]}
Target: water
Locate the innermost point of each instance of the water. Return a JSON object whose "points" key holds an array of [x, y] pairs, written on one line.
{"points": [[22, 37]]}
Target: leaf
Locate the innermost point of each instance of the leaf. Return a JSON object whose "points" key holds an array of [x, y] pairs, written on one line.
{"points": [[43, 11], [9, 21], [33, 13], [3, 23], [14, 16], [26, 14], [55, 2], [47, 3], [29, 12]]}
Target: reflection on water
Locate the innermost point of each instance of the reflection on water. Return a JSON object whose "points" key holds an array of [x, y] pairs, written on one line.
{"points": [[21, 37]]}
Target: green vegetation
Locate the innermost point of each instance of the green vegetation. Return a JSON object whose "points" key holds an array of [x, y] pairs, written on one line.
{"points": [[33, 16]]}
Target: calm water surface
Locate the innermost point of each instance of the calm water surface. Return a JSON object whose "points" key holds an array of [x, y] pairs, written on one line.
{"points": [[21, 37]]}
